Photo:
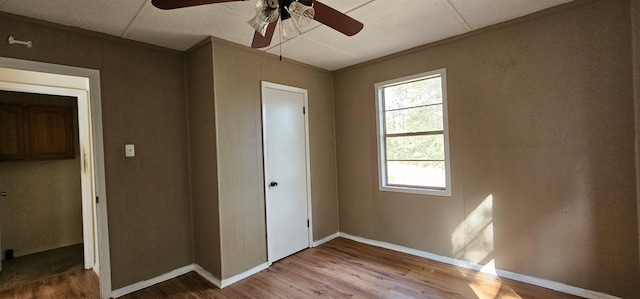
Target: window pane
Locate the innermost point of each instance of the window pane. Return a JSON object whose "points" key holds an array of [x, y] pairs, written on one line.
{"points": [[422, 119], [427, 174], [418, 93], [429, 147]]}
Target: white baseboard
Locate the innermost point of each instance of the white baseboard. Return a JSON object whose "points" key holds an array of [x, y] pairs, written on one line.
{"points": [[19, 253], [184, 270], [448, 260], [208, 276], [324, 240], [560, 287], [147, 283], [231, 280]]}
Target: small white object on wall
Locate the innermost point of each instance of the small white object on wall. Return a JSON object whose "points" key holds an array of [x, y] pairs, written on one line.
{"points": [[13, 40], [129, 150]]}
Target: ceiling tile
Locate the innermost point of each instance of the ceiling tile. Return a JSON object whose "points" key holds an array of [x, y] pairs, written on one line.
{"points": [[182, 28], [390, 27], [483, 13], [110, 17], [313, 53], [346, 5]]}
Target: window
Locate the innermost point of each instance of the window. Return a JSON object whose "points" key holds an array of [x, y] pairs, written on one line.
{"points": [[413, 137]]}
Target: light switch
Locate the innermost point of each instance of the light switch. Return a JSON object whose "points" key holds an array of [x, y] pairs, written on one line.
{"points": [[129, 150]]}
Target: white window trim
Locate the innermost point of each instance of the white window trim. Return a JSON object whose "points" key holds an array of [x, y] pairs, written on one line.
{"points": [[382, 183]]}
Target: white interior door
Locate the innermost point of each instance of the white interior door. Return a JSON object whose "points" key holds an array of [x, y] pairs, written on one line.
{"points": [[286, 169]]}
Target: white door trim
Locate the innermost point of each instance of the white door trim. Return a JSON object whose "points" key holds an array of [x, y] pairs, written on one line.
{"points": [[264, 85], [94, 151]]}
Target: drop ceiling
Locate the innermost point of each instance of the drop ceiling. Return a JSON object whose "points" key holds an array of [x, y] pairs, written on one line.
{"points": [[390, 26]]}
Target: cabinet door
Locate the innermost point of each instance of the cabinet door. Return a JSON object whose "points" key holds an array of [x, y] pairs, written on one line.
{"points": [[51, 132], [11, 132]]}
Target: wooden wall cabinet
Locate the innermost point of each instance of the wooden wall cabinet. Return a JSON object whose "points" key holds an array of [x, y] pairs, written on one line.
{"points": [[11, 133], [36, 133]]}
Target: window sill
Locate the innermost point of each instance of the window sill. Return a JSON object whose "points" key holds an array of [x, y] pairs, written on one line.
{"points": [[433, 192]]}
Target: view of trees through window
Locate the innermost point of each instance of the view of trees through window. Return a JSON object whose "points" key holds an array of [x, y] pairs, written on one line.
{"points": [[414, 133]]}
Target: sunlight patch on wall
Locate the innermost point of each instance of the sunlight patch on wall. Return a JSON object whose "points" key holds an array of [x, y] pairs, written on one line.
{"points": [[473, 239]]}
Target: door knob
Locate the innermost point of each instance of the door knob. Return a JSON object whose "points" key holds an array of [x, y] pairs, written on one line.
{"points": [[274, 184]]}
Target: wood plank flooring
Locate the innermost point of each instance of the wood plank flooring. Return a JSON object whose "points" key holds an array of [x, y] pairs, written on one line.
{"points": [[77, 283], [33, 267], [343, 268], [340, 268]]}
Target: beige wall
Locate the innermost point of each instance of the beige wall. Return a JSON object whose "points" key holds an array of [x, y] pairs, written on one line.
{"points": [[43, 209], [237, 75], [203, 159], [143, 102], [541, 132]]}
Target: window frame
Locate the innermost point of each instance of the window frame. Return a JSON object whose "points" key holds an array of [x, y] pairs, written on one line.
{"points": [[381, 135]]}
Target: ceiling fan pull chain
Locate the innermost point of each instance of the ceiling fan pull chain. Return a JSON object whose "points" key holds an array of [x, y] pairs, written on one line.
{"points": [[280, 45]]}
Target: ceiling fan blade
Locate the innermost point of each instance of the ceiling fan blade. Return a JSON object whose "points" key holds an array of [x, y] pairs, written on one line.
{"points": [[171, 4], [336, 20], [260, 41]]}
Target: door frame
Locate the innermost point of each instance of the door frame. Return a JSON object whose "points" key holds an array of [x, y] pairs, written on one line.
{"points": [[84, 84], [88, 222], [305, 93]]}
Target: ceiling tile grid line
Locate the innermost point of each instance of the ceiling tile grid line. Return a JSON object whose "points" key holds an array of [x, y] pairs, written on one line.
{"points": [[457, 15], [129, 28]]}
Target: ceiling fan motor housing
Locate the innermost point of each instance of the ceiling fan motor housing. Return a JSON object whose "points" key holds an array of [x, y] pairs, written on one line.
{"points": [[284, 11]]}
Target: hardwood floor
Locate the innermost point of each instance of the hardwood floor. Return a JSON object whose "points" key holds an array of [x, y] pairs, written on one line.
{"points": [[343, 268], [77, 283], [28, 268], [340, 268]]}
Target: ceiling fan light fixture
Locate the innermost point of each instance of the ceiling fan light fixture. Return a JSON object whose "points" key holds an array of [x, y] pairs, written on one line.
{"points": [[259, 24], [302, 14], [289, 29], [266, 12]]}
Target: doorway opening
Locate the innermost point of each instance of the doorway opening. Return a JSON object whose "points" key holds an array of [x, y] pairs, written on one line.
{"points": [[83, 85], [41, 206]]}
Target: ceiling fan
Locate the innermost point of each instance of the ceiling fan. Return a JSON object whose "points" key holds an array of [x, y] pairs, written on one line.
{"points": [[293, 14]]}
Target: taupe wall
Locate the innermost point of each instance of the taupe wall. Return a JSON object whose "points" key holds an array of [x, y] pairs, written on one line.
{"points": [[43, 209], [541, 119], [237, 75], [203, 158], [635, 22], [143, 95], [143, 102], [542, 149]]}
